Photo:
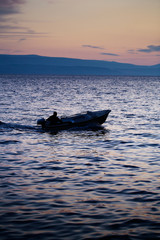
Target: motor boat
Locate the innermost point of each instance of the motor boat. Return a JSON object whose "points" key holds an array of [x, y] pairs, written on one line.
{"points": [[88, 118]]}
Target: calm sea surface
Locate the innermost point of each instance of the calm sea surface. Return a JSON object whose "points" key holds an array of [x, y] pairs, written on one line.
{"points": [[80, 184]]}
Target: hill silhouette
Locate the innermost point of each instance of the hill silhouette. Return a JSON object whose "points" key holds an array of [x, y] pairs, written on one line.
{"points": [[35, 64]]}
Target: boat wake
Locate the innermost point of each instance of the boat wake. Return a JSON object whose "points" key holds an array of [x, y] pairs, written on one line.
{"points": [[14, 126], [4, 126]]}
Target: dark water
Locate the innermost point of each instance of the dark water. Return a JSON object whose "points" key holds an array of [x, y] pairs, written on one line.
{"points": [[84, 184]]}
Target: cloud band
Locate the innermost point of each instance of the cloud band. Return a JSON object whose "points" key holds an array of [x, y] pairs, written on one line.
{"points": [[150, 48]]}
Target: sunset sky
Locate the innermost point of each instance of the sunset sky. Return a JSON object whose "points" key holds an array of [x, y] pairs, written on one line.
{"points": [[114, 30]]}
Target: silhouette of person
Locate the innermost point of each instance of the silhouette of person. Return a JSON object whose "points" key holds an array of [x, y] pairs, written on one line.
{"points": [[53, 119]]}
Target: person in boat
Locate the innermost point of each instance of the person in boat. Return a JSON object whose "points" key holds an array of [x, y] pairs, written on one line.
{"points": [[53, 119]]}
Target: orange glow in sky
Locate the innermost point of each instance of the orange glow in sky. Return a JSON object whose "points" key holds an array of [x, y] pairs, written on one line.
{"points": [[112, 30]]}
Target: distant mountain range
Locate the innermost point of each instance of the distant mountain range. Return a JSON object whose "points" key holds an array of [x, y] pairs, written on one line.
{"points": [[34, 64]]}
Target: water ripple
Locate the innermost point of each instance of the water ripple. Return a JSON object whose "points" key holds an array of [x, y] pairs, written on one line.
{"points": [[80, 184]]}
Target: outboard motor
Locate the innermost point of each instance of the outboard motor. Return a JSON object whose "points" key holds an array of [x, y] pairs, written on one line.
{"points": [[41, 121]]}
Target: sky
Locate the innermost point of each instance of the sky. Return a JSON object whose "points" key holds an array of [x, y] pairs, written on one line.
{"points": [[126, 31]]}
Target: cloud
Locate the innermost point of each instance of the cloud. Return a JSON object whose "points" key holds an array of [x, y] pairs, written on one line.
{"points": [[15, 29], [149, 49], [17, 51], [52, 1], [132, 51], [5, 49], [11, 2], [8, 7], [109, 54], [91, 46], [22, 39], [9, 28], [5, 28]]}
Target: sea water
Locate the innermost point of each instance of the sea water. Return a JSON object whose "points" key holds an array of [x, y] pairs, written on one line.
{"points": [[80, 184]]}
